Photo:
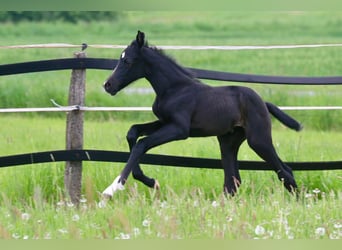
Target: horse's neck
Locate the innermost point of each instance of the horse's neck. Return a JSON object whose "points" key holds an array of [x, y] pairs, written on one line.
{"points": [[165, 74]]}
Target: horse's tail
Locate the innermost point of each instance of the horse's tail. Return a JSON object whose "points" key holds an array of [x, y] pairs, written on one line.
{"points": [[283, 117]]}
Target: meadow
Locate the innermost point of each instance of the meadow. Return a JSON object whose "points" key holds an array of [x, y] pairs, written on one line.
{"points": [[190, 204]]}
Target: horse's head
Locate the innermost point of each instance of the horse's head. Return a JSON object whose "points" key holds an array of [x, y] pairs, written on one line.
{"points": [[130, 66]]}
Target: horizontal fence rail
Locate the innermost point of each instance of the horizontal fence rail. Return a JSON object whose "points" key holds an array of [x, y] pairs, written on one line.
{"points": [[109, 64], [151, 159], [113, 156], [173, 47], [136, 109]]}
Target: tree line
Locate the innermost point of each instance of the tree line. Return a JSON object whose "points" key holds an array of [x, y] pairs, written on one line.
{"points": [[53, 16]]}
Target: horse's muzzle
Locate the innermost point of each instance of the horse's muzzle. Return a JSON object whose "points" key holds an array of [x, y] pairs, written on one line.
{"points": [[109, 88]]}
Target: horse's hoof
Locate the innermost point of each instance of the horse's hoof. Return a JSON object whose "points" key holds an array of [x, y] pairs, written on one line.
{"points": [[114, 187], [156, 185]]}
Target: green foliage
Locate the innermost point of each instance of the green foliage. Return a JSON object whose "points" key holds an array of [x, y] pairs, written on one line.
{"points": [[53, 16]]}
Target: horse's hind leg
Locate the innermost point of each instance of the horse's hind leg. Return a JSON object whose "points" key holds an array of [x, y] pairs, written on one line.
{"points": [[260, 140], [229, 146]]}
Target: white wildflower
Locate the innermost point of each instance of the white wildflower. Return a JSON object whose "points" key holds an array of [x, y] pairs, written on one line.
{"points": [[16, 236], [320, 231], [316, 191], [308, 196], [83, 199], [337, 225], [70, 204], [123, 236], [259, 230], [334, 235], [229, 219], [76, 217], [215, 204], [63, 231], [25, 216], [60, 203], [146, 223], [136, 231]]}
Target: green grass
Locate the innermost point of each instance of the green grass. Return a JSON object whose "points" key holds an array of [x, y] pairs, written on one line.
{"points": [[190, 204], [186, 215]]}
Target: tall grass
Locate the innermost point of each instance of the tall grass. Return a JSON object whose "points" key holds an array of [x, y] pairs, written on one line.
{"points": [[23, 135]]}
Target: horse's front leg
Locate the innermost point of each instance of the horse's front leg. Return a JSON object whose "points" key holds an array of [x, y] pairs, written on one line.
{"points": [[166, 133], [138, 130], [133, 134]]}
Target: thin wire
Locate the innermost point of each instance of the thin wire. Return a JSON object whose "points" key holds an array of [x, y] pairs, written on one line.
{"points": [[173, 47], [134, 109]]}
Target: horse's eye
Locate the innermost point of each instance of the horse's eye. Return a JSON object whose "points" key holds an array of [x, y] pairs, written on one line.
{"points": [[126, 61]]}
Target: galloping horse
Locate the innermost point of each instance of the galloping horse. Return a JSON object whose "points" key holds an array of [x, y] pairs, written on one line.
{"points": [[186, 107]]}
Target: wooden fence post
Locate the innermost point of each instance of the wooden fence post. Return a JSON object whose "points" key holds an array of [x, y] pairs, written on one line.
{"points": [[74, 132]]}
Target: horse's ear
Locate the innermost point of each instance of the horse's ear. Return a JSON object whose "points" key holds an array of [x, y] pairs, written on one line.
{"points": [[140, 38]]}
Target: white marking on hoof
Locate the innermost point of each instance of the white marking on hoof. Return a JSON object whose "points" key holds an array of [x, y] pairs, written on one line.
{"points": [[156, 185], [113, 188]]}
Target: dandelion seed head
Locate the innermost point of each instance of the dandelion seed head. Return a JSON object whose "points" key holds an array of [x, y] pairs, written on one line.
{"points": [[320, 231], [16, 236], [337, 225], [75, 217], [70, 204], [146, 223], [214, 204], [334, 235], [308, 196], [25, 216], [60, 203], [123, 236], [83, 199], [316, 191], [259, 230], [229, 219], [62, 231]]}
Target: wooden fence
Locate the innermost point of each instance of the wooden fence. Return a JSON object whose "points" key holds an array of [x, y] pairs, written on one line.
{"points": [[75, 154]]}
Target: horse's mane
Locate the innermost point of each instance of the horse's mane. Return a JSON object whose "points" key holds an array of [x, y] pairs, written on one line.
{"points": [[173, 62]]}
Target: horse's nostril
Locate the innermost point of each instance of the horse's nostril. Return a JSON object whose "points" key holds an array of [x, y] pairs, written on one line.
{"points": [[107, 85]]}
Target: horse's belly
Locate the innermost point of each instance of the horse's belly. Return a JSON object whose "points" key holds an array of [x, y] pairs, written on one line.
{"points": [[213, 126]]}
